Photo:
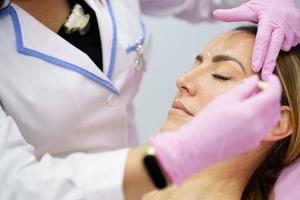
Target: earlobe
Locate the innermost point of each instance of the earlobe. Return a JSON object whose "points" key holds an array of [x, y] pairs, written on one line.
{"points": [[284, 127]]}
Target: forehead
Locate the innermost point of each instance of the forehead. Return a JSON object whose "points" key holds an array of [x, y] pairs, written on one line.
{"points": [[236, 44]]}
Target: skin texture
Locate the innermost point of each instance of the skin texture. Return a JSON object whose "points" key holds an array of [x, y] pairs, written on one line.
{"points": [[198, 86], [209, 77], [52, 13]]}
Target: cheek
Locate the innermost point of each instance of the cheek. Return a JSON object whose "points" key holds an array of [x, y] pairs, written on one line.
{"points": [[222, 87], [208, 90]]}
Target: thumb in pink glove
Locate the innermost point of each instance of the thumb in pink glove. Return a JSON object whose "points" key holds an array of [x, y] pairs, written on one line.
{"points": [[231, 124], [287, 186], [278, 28]]}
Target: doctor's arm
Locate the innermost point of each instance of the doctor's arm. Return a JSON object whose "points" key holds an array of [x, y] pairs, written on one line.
{"points": [[190, 10], [78, 176]]}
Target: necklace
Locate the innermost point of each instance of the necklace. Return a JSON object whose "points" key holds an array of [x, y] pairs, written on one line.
{"points": [[77, 21]]}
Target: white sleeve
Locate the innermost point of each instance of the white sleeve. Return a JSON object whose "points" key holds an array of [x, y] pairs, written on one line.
{"points": [[191, 10], [77, 177]]}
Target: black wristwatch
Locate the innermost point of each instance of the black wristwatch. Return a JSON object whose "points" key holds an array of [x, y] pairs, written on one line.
{"points": [[152, 166]]}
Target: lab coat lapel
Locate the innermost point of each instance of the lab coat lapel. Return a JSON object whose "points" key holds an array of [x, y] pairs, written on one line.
{"points": [[49, 46], [108, 33]]}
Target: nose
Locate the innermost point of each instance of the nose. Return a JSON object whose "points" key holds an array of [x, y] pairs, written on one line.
{"points": [[185, 85]]}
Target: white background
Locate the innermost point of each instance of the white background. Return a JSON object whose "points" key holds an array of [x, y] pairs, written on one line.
{"points": [[174, 47]]}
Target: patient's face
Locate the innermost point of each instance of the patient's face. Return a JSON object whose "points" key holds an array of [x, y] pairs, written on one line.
{"points": [[223, 64]]}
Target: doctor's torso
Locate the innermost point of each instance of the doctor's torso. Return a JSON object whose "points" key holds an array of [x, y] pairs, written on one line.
{"points": [[60, 100]]}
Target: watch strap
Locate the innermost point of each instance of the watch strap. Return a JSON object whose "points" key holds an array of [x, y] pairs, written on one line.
{"points": [[153, 168]]}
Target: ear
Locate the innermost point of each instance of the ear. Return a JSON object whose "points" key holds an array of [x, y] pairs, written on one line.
{"points": [[284, 127]]}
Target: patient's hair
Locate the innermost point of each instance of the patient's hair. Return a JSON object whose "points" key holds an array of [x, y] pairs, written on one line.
{"points": [[284, 152]]}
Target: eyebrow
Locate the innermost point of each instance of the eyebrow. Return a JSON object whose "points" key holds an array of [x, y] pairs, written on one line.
{"points": [[223, 58]]}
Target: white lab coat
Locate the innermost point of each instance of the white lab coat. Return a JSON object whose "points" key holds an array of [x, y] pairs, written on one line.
{"points": [[64, 124]]}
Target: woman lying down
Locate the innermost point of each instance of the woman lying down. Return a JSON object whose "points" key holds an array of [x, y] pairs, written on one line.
{"points": [[223, 64]]}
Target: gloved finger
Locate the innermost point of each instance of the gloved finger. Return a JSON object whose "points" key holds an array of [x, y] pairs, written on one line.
{"points": [[266, 104], [270, 96], [295, 44], [261, 45], [297, 41], [288, 41], [298, 37], [286, 47], [242, 91], [266, 73], [272, 54], [242, 13]]}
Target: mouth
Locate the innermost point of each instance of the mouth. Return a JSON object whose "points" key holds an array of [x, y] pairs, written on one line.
{"points": [[180, 108]]}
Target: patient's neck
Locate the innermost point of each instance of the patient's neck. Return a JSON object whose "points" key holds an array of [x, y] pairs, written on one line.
{"points": [[217, 183], [225, 180]]}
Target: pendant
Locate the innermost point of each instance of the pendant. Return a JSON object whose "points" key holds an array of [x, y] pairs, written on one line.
{"points": [[4, 4], [139, 49], [77, 21]]}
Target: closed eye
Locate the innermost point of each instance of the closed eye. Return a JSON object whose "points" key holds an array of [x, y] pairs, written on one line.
{"points": [[221, 77]]}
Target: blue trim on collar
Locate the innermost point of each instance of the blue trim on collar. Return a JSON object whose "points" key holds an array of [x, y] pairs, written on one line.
{"points": [[133, 47], [114, 41], [4, 11], [5, 4], [30, 52]]}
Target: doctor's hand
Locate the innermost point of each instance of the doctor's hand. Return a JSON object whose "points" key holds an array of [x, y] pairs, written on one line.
{"points": [[231, 124], [278, 29], [287, 186]]}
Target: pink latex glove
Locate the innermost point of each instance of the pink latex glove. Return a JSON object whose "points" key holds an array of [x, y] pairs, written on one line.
{"points": [[288, 185], [231, 124], [278, 28]]}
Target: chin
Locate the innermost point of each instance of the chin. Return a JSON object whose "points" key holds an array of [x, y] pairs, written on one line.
{"points": [[168, 127], [173, 123]]}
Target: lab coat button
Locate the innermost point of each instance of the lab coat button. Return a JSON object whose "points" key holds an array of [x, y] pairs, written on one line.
{"points": [[138, 68], [113, 100]]}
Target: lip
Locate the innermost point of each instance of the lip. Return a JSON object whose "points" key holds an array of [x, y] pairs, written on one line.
{"points": [[180, 108]]}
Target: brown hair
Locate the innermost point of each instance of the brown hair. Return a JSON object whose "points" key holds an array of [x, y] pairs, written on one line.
{"points": [[285, 151]]}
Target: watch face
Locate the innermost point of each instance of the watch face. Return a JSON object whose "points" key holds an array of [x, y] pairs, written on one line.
{"points": [[155, 171]]}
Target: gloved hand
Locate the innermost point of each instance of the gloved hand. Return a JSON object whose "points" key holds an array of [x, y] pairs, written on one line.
{"points": [[231, 124], [278, 28], [287, 186]]}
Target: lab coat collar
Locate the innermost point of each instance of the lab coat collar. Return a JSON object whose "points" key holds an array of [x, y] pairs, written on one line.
{"points": [[6, 3], [34, 39], [108, 32]]}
